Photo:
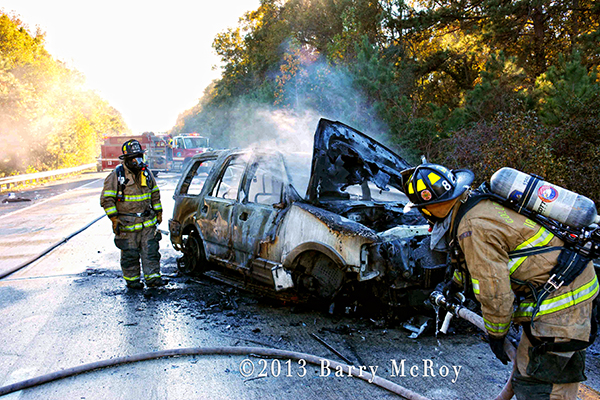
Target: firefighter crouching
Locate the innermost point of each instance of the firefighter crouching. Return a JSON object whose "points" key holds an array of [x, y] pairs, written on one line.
{"points": [[131, 199], [488, 241]]}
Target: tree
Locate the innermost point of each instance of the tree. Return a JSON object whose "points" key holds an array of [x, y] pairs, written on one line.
{"points": [[534, 32], [501, 88], [46, 115], [438, 76], [570, 102]]}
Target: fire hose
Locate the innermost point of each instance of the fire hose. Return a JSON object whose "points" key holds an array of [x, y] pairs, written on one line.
{"points": [[436, 297], [440, 300], [49, 249], [257, 351]]}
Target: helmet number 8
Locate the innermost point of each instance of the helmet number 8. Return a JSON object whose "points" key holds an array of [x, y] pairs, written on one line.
{"points": [[446, 185]]}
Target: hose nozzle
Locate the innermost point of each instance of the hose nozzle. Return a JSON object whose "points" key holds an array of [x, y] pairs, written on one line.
{"points": [[438, 298]]}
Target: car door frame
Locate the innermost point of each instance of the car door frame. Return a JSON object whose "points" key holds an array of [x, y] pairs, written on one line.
{"points": [[253, 222], [187, 205], [214, 215]]}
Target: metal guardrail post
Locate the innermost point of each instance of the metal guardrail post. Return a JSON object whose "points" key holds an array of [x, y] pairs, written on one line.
{"points": [[39, 175]]}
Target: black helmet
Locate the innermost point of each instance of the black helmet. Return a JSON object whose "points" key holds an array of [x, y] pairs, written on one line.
{"points": [[429, 184], [131, 148]]}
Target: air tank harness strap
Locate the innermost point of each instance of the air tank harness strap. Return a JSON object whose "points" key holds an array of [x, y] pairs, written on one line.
{"points": [[482, 193], [474, 198], [529, 189], [569, 266], [532, 251], [543, 345], [121, 182]]}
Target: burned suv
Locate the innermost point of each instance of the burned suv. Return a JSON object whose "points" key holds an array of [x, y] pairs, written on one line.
{"points": [[240, 213]]}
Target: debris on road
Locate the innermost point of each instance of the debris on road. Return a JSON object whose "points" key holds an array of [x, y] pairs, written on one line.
{"points": [[330, 348], [417, 325], [12, 198]]}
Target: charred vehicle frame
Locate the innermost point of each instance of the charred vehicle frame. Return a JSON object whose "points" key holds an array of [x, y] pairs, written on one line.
{"points": [[239, 211]]}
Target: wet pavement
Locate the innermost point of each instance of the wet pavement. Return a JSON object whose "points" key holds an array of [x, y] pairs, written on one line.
{"points": [[54, 212], [71, 307], [45, 191]]}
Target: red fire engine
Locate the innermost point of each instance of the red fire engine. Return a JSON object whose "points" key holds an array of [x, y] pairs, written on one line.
{"points": [[185, 146], [163, 153]]}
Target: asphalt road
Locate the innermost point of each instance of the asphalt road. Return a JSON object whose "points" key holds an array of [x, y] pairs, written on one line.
{"points": [[71, 307]]}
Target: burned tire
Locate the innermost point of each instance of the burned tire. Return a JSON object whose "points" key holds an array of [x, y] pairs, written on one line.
{"points": [[319, 275], [193, 261]]}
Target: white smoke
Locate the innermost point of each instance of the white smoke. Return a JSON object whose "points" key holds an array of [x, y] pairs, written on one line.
{"points": [[318, 91]]}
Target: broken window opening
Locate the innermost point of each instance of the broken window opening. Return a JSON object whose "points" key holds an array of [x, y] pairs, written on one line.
{"points": [[265, 182], [228, 185], [196, 177]]}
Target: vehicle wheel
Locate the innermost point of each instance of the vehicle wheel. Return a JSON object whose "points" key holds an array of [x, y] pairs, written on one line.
{"points": [[319, 275], [194, 260]]}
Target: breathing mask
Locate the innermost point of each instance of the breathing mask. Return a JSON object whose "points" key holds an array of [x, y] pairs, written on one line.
{"points": [[135, 164]]}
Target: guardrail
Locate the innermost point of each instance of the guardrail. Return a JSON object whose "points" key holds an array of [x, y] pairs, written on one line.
{"points": [[13, 180]]}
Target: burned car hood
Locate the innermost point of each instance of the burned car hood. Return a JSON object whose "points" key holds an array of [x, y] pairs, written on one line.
{"points": [[343, 156]]}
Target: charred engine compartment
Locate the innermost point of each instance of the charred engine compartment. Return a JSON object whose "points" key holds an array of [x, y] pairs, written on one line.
{"points": [[407, 270], [376, 216]]}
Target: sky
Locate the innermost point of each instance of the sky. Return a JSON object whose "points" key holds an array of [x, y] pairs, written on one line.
{"points": [[151, 60]]}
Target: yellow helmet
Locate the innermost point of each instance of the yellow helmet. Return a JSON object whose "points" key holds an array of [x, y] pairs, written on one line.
{"points": [[429, 184]]}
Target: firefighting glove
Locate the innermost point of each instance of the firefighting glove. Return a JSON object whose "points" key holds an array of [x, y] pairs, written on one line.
{"points": [[497, 346], [159, 217], [115, 225]]}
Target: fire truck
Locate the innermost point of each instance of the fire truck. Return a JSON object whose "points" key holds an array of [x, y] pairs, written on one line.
{"points": [[162, 152], [185, 146]]}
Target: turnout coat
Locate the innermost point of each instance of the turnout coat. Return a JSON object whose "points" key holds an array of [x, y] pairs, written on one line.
{"points": [[486, 234]]}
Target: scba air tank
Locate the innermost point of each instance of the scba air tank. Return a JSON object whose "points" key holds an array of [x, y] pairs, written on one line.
{"points": [[544, 198]]}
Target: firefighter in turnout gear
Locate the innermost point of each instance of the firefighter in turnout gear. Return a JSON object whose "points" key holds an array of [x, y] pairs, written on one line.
{"points": [[131, 199], [488, 242]]}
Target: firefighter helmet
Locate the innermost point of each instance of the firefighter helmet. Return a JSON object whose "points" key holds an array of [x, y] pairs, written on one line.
{"points": [[131, 148], [429, 184]]}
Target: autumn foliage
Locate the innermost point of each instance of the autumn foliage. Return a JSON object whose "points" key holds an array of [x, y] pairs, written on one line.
{"points": [[48, 119], [477, 83]]}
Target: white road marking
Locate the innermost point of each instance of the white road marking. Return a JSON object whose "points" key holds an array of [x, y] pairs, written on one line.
{"points": [[87, 184]]}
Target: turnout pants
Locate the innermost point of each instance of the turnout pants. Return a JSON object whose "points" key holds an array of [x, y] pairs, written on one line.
{"points": [[142, 244], [549, 376]]}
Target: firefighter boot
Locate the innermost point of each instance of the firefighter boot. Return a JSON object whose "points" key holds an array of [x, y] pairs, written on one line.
{"points": [[135, 285], [156, 282]]}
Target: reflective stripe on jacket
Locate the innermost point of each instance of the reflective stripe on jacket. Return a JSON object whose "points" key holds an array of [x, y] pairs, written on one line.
{"points": [[137, 199], [486, 235]]}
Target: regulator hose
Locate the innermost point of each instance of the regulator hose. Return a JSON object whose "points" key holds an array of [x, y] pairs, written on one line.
{"points": [[231, 350]]}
